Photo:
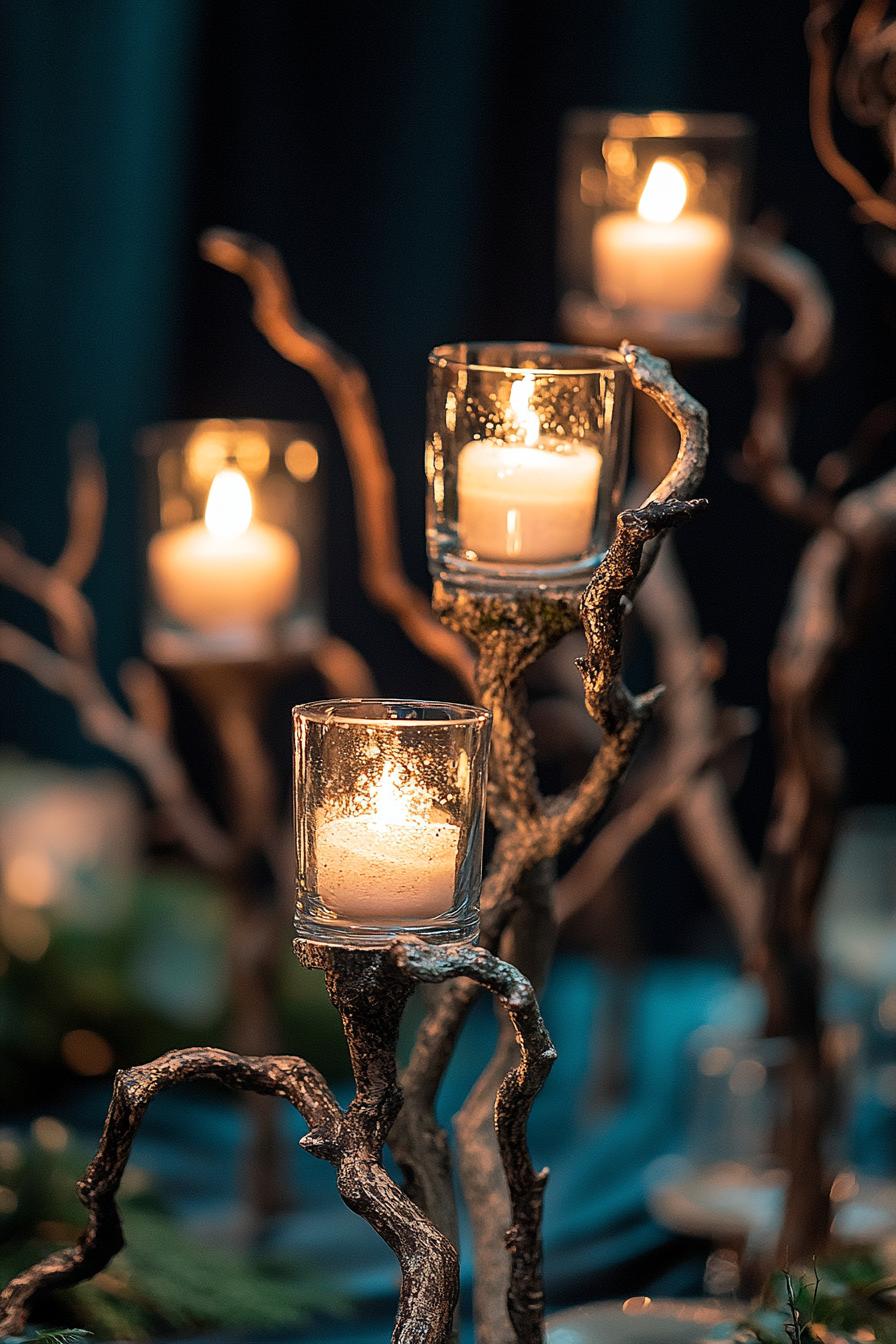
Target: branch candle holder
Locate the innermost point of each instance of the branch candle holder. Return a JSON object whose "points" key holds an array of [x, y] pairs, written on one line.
{"points": [[650, 208], [390, 814], [525, 456], [509, 624], [234, 603]]}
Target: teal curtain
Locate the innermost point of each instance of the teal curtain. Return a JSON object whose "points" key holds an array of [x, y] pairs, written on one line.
{"points": [[94, 114]]}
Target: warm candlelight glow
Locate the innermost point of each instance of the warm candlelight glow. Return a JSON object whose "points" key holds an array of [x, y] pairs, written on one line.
{"points": [[393, 857], [522, 419], [525, 457], [395, 797], [390, 803], [527, 496], [665, 193], [228, 509], [661, 256], [228, 571]]}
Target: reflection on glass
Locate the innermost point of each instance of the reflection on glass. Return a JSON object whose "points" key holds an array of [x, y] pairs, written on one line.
{"points": [[389, 800]]}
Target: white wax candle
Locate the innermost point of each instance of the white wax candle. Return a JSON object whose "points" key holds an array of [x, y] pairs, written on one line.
{"points": [[372, 871], [527, 502], [229, 570], [659, 257], [393, 861]]}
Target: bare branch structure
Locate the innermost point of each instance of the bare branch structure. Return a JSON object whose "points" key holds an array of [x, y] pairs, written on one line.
{"points": [[771, 906], [370, 991], [866, 91], [507, 636], [347, 390], [231, 697]]}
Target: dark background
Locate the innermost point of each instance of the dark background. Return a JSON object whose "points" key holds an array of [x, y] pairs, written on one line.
{"points": [[403, 158]]}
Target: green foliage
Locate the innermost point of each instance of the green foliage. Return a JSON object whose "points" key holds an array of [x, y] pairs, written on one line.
{"points": [[56, 1336], [850, 1295], [153, 980], [164, 1281]]}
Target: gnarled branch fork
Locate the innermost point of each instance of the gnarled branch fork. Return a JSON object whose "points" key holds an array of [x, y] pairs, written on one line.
{"points": [[132, 1092], [370, 990]]}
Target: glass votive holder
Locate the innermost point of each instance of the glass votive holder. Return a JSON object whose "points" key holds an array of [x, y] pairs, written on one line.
{"points": [[233, 535], [526, 453], [389, 811], [650, 204]]}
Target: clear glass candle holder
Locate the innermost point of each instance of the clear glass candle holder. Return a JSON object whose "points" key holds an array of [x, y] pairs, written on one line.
{"points": [[233, 534], [650, 204], [390, 812], [526, 452]]}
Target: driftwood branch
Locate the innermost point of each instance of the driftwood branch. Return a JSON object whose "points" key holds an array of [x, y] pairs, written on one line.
{"points": [[830, 599], [132, 1092], [673, 778], [691, 724], [872, 43], [347, 390], [370, 990], [370, 993], [70, 669], [515, 1095], [86, 507], [785, 362], [104, 722]]}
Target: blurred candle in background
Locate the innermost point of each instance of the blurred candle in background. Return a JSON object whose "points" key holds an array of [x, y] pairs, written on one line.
{"points": [[661, 256], [228, 569]]}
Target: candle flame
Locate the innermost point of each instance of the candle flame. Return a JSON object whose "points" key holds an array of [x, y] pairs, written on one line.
{"points": [[665, 193], [228, 509], [394, 798], [521, 392], [387, 798]]}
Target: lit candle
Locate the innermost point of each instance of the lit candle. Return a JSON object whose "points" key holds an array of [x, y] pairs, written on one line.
{"points": [[391, 863], [660, 257], [229, 570], [528, 498]]}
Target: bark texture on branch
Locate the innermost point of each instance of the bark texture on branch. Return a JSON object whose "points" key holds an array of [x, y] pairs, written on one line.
{"points": [[133, 1090], [370, 992], [513, 1102]]}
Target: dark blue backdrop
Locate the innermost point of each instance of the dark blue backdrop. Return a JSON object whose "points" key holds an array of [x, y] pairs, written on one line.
{"points": [[403, 158]]}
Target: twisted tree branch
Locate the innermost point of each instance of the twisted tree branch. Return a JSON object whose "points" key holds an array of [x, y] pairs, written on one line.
{"points": [[347, 390], [133, 1090], [525, 1300]]}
